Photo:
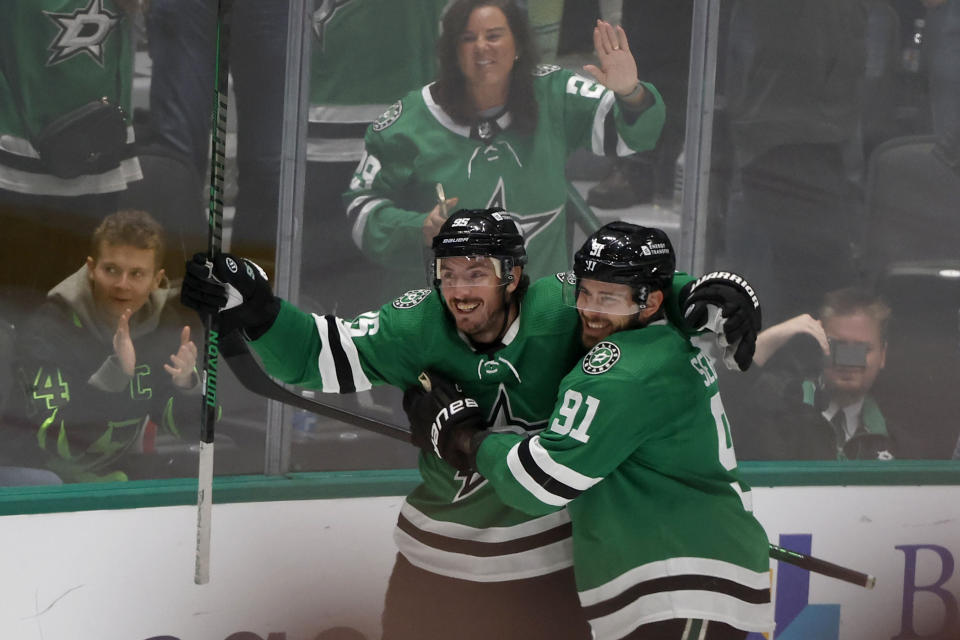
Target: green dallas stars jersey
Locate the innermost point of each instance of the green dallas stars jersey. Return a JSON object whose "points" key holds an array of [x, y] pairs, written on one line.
{"points": [[56, 56], [638, 451], [365, 54], [450, 524], [415, 145]]}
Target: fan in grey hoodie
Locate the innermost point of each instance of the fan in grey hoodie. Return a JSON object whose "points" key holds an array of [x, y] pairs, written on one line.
{"points": [[107, 359]]}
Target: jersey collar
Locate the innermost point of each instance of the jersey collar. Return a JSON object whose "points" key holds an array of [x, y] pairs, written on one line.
{"points": [[501, 122]]}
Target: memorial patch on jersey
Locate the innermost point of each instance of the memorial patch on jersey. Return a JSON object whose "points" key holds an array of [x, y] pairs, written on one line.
{"points": [[545, 69], [601, 358], [388, 117], [411, 298]]}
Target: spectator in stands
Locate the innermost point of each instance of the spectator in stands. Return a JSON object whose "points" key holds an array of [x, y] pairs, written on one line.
{"points": [[66, 70], [812, 398], [364, 54], [661, 29], [941, 48], [106, 359], [182, 45], [793, 102], [494, 130]]}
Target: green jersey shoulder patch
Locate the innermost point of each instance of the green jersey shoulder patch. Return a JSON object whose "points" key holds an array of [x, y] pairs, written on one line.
{"points": [[389, 116], [601, 358], [411, 298], [545, 69]]}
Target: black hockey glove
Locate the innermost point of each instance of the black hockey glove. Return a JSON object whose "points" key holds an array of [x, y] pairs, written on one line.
{"points": [[236, 288], [723, 302], [443, 420]]}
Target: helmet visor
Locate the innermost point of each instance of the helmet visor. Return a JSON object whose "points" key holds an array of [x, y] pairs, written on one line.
{"points": [[467, 271], [596, 296]]}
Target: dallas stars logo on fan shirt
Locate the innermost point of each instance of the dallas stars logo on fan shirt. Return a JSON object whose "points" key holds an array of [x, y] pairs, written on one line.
{"points": [[83, 31], [530, 225], [323, 15], [388, 117], [601, 358]]}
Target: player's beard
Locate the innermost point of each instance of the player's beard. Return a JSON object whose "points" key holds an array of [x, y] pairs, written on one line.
{"points": [[481, 323], [608, 325]]}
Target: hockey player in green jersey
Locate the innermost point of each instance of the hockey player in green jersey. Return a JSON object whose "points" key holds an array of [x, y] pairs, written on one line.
{"points": [[638, 450], [495, 129], [480, 564]]}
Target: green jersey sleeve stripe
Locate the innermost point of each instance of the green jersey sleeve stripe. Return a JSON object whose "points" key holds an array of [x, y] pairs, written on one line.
{"points": [[599, 138], [361, 222], [561, 492], [485, 549], [339, 362], [540, 457]]}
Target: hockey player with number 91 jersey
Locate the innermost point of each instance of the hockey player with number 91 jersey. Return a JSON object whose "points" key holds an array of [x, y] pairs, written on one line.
{"points": [[638, 450]]}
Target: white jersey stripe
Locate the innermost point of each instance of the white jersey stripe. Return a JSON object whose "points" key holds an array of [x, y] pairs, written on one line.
{"points": [[361, 222], [707, 605], [676, 567], [599, 124], [554, 469], [360, 380], [527, 482], [328, 370], [346, 113], [488, 534], [515, 566], [325, 361]]}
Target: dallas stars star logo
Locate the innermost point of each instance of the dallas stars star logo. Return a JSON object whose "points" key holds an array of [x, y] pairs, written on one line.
{"points": [[83, 31], [530, 225], [322, 17], [501, 420]]}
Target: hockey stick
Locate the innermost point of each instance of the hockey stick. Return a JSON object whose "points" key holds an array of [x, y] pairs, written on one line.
{"points": [[582, 213], [816, 565], [208, 415], [235, 352]]}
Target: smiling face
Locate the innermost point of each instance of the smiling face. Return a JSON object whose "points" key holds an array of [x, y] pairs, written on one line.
{"points": [[486, 51], [849, 383], [475, 295], [122, 277], [608, 307]]}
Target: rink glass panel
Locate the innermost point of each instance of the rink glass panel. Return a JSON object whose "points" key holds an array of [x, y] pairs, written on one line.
{"points": [[800, 194]]}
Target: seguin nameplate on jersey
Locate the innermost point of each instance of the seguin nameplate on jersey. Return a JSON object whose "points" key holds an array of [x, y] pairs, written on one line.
{"points": [[601, 358]]}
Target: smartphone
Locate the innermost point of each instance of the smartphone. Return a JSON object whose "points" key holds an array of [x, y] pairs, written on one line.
{"points": [[848, 354]]}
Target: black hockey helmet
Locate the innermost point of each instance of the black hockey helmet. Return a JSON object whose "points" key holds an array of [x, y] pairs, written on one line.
{"points": [[481, 232], [625, 253]]}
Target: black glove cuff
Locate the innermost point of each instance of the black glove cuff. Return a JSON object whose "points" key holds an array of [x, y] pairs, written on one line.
{"points": [[475, 441], [268, 312]]}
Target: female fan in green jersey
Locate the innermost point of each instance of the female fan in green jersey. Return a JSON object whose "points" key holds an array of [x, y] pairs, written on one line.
{"points": [[494, 129]]}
